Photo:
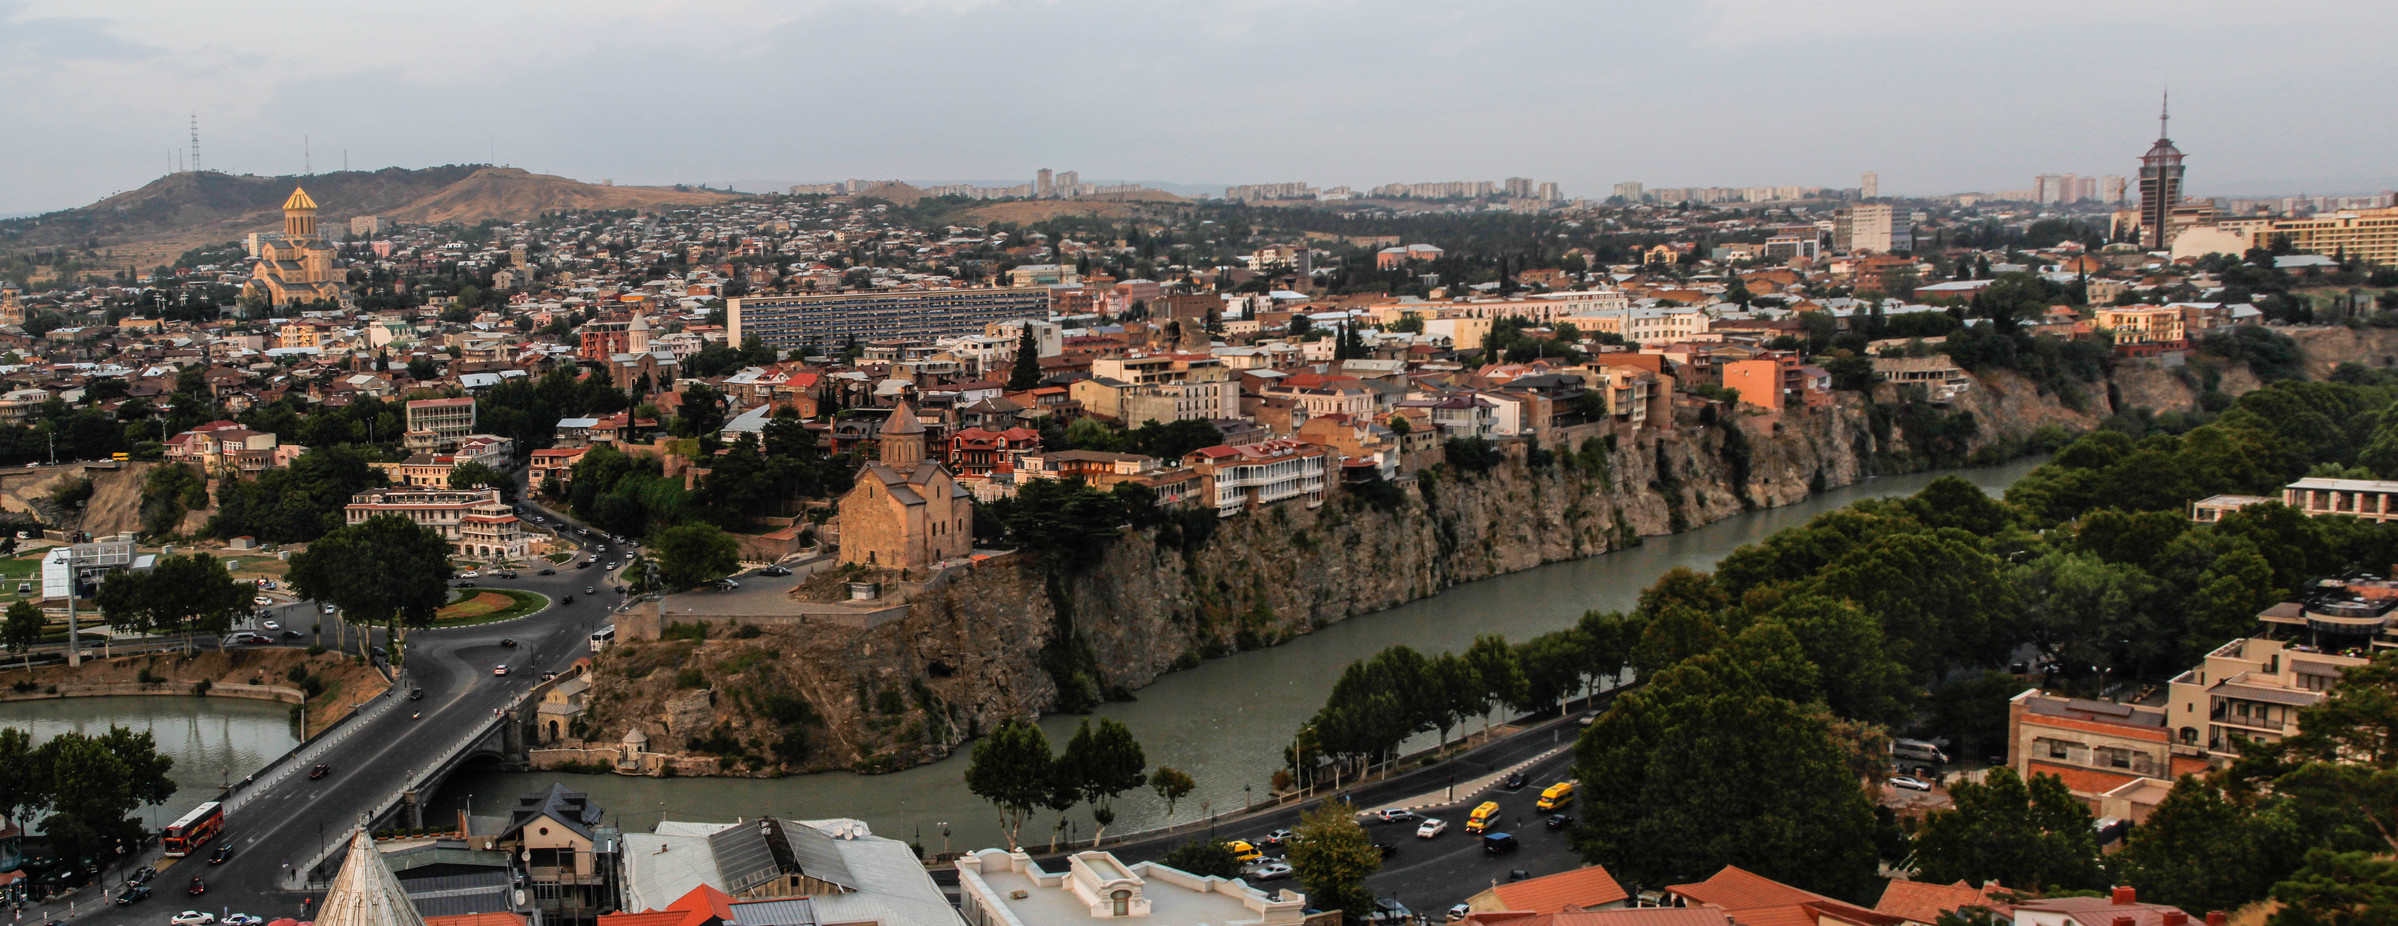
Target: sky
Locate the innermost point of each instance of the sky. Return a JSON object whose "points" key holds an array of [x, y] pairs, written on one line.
{"points": [[1937, 96]]}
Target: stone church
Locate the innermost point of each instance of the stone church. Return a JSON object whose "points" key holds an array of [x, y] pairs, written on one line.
{"points": [[295, 267], [906, 512]]}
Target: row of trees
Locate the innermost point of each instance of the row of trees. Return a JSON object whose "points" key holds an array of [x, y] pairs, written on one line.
{"points": [[84, 788], [1014, 770], [1378, 703]]}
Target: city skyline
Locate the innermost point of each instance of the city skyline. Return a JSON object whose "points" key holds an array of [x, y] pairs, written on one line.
{"points": [[1596, 96]]}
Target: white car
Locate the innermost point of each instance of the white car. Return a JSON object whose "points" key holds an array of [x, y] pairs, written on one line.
{"points": [[1271, 871], [329, 609], [1910, 783], [1432, 827], [1394, 815], [501, 669], [262, 601], [469, 574], [243, 919], [1457, 913], [270, 625], [193, 918]]}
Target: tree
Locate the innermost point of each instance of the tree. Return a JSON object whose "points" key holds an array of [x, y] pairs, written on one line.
{"points": [[689, 554], [1026, 373], [2339, 889], [1501, 676], [1334, 857], [2036, 836], [19, 765], [179, 595], [701, 412], [21, 628], [385, 570], [1171, 784], [92, 784], [1102, 763], [482, 475], [1011, 768]]}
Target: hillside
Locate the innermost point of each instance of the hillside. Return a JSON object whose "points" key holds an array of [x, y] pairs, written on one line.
{"points": [[174, 213]]}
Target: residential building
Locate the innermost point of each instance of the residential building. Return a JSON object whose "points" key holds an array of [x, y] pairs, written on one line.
{"points": [[2121, 907], [1942, 380], [1754, 900], [476, 522], [997, 888], [775, 872], [906, 512], [1233, 479], [568, 856], [2374, 500], [1922, 903], [224, 448], [439, 424], [1759, 382], [827, 322], [1586, 888], [554, 462], [979, 452], [2370, 235], [1877, 228], [2145, 324], [2254, 687], [2212, 508], [2095, 747]]}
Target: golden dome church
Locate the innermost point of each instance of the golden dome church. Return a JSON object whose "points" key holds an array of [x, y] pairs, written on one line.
{"points": [[295, 267]]}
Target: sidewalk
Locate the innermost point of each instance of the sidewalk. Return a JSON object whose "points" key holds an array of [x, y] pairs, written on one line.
{"points": [[1464, 791]]}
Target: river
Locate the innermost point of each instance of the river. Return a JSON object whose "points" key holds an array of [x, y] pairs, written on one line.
{"points": [[1224, 722], [212, 740]]}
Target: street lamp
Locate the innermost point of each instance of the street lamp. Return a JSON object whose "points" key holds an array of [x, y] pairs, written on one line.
{"points": [[944, 837], [1245, 801]]}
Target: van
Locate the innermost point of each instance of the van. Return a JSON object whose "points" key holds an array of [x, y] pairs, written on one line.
{"points": [[1917, 750], [1556, 796], [1499, 843], [1482, 816], [1243, 852]]}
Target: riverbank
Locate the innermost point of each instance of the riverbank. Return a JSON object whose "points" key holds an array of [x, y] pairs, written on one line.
{"points": [[262, 673]]}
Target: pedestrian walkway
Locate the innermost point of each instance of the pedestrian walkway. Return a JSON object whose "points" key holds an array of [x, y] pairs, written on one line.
{"points": [[1464, 791]]}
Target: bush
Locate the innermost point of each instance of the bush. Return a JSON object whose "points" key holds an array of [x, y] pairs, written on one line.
{"points": [[690, 678], [202, 687], [1472, 455]]}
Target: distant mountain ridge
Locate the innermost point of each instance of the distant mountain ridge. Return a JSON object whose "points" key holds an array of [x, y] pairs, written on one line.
{"points": [[187, 209]]}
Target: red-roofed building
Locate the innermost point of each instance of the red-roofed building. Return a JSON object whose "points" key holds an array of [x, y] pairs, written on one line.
{"points": [[1232, 479], [703, 906], [980, 452], [1590, 888], [2122, 907], [1922, 902], [1622, 916], [1755, 900]]}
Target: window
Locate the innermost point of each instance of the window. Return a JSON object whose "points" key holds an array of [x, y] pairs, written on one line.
{"points": [[2057, 749], [1122, 901]]}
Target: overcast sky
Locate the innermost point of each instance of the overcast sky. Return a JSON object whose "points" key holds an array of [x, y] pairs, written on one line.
{"points": [[1937, 95]]}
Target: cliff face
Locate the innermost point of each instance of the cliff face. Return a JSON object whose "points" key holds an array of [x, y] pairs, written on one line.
{"points": [[1008, 640]]}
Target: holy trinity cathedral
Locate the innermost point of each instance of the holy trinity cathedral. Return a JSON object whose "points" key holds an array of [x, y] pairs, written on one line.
{"points": [[295, 267]]}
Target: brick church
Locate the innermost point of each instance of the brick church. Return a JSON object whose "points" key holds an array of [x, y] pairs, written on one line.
{"points": [[906, 512]]}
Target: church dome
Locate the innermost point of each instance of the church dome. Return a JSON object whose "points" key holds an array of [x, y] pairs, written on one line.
{"points": [[299, 200]]}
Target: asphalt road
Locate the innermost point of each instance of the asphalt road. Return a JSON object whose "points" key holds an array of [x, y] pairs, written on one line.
{"points": [[281, 820]]}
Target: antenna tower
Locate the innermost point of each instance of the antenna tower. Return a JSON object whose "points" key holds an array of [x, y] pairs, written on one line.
{"points": [[306, 168], [195, 143]]}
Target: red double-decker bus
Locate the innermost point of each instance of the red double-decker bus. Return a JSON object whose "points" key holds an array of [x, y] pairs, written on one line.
{"points": [[194, 830]]}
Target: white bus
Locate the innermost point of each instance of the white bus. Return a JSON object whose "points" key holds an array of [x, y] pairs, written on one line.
{"points": [[602, 637]]}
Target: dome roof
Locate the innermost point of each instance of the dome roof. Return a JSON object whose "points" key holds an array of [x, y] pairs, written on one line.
{"points": [[903, 420], [299, 200], [634, 737], [365, 893], [2163, 149]]}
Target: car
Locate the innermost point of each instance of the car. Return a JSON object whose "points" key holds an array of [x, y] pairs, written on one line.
{"points": [[193, 917], [197, 887], [1394, 815], [1389, 910], [270, 625], [1277, 837], [470, 574], [569, 599], [602, 548], [465, 584], [1386, 849], [1518, 875], [1910, 783], [501, 669], [1515, 781], [1558, 821], [510, 574], [262, 601], [728, 583], [776, 571], [242, 919], [1243, 852], [611, 564], [546, 676], [1456, 913], [1499, 843], [289, 635], [509, 642], [1271, 871], [319, 771], [142, 875], [1587, 719], [588, 590], [1433, 826], [416, 694], [224, 850], [132, 894], [547, 572], [329, 609], [585, 564]]}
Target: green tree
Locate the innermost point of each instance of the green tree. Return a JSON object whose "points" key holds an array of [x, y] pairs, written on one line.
{"points": [[1172, 785], [1012, 769], [1556, 665], [1204, 857], [1334, 857], [94, 784], [1026, 373], [1500, 675], [1103, 762], [179, 595], [21, 628], [19, 765], [2339, 889], [385, 570], [689, 554], [482, 475], [2036, 836]]}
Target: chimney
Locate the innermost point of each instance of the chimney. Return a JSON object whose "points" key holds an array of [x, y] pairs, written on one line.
{"points": [[2176, 918], [2126, 921], [2126, 895], [2214, 918]]}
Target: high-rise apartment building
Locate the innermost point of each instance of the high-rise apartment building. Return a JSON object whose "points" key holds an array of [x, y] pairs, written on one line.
{"points": [[1870, 185], [2110, 189], [2160, 185], [827, 322], [1631, 191], [1874, 228], [1041, 184]]}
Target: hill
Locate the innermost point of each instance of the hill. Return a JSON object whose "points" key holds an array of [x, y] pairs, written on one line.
{"points": [[180, 211]]}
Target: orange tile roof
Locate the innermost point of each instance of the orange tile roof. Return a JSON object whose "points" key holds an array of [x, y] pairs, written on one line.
{"points": [[1755, 900], [1923, 902], [1580, 888]]}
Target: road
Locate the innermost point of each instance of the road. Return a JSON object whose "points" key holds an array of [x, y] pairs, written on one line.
{"points": [[281, 820]]}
